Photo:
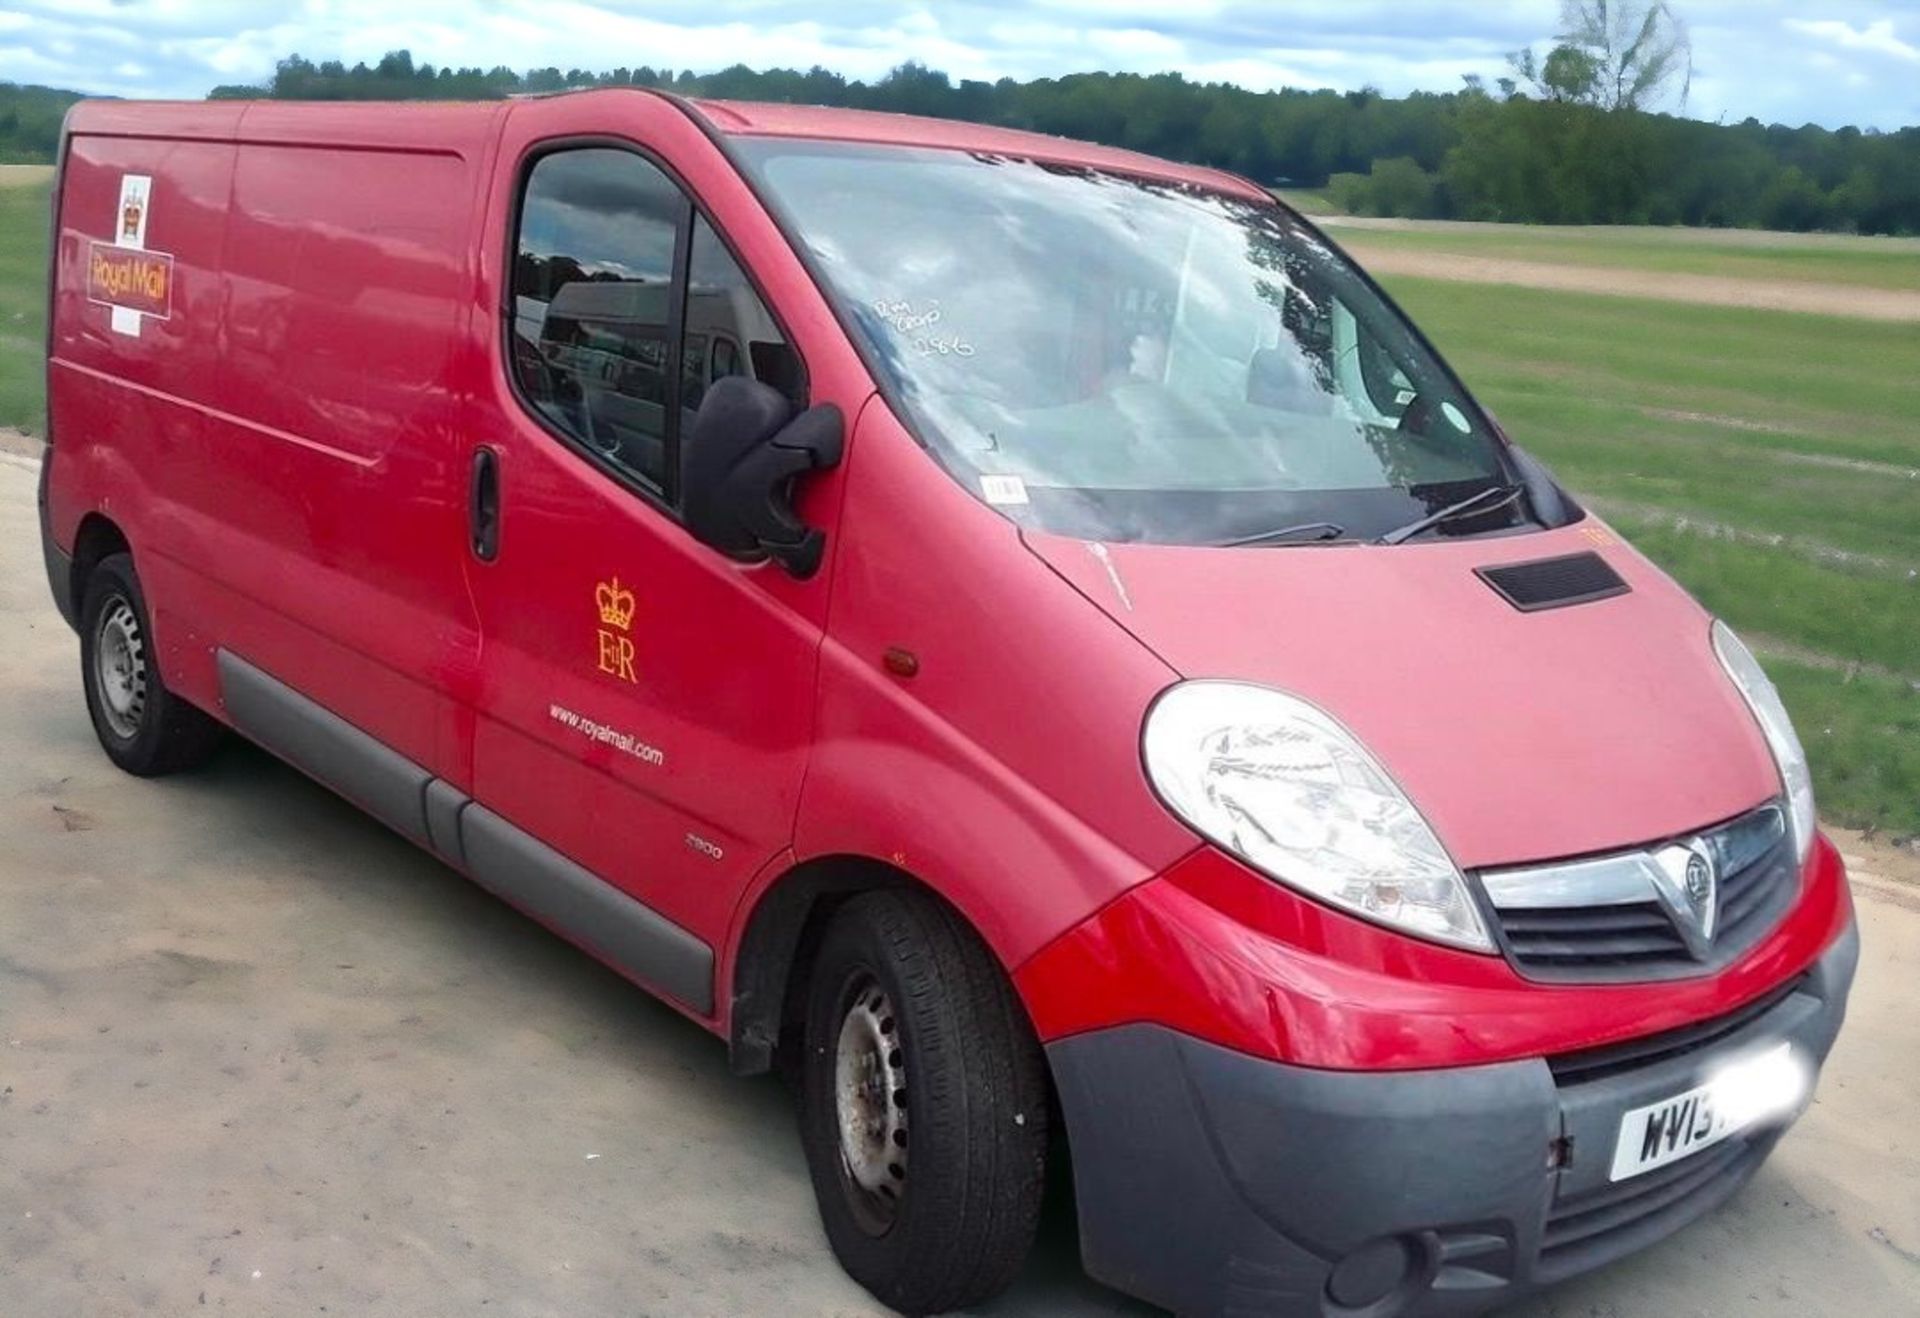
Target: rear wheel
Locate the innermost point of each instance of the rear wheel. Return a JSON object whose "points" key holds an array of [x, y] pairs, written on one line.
{"points": [[143, 727], [923, 1105]]}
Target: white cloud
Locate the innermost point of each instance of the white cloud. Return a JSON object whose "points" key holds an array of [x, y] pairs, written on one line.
{"points": [[1874, 36], [1137, 44], [1259, 75], [1110, 9]]}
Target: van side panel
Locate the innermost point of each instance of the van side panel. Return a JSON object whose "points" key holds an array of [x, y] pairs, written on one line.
{"points": [[171, 356], [344, 297], [130, 407], [283, 452], [340, 570]]}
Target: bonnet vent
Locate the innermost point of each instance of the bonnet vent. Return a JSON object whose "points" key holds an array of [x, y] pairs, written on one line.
{"points": [[1554, 583]]}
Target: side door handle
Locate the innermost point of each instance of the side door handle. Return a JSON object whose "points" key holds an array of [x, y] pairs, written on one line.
{"points": [[483, 505]]}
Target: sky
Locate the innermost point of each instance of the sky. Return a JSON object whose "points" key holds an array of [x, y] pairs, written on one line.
{"points": [[1831, 62]]}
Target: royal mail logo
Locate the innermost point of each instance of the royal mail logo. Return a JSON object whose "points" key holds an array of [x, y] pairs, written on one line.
{"points": [[132, 279], [613, 649]]}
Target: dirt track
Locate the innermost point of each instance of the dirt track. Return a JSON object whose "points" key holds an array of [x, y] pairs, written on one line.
{"points": [[1706, 290], [23, 176], [1678, 234]]}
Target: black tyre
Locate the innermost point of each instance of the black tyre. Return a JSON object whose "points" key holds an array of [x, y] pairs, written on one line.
{"points": [[923, 1105], [143, 727]]}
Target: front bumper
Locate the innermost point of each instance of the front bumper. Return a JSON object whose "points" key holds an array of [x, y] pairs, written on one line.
{"points": [[1209, 1181]]}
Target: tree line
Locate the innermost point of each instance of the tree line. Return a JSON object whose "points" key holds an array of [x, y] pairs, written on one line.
{"points": [[30, 122], [1527, 149], [1540, 155]]}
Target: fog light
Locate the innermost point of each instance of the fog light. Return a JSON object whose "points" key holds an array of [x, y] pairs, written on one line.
{"points": [[1374, 1271]]}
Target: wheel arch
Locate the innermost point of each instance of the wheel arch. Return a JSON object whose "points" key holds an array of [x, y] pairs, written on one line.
{"points": [[774, 950], [97, 537]]}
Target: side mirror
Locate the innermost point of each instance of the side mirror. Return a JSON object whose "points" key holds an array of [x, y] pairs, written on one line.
{"points": [[1554, 505], [738, 466]]}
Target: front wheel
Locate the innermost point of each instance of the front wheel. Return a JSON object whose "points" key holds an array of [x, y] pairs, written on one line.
{"points": [[923, 1105]]}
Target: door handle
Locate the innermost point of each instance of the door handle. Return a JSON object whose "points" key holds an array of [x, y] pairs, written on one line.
{"points": [[483, 505]]}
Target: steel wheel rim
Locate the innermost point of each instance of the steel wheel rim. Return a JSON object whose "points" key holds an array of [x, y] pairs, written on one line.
{"points": [[870, 1104], [120, 668]]}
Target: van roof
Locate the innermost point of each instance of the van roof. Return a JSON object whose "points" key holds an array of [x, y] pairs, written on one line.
{"points": [[454, 123], [765, 119]]}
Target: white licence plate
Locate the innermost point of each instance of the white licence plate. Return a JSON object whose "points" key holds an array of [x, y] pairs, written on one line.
{"points": [[1667, 1131]]}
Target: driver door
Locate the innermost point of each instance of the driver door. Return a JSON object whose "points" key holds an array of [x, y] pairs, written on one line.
{"points": [[646, 703]]}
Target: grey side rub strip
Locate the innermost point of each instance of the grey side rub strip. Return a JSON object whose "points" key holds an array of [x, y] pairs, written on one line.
{"points": [[308, 736], [591, 911], [504, 859]]}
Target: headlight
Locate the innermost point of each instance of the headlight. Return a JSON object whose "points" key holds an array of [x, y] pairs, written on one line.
{"points": [[1280, 784], [1757, 689]]}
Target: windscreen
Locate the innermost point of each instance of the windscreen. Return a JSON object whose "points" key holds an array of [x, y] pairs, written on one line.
{"points": [[1128, 359]]}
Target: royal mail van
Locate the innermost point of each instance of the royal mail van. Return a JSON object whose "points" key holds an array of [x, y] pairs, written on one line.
{"points": [[1023, 636]]}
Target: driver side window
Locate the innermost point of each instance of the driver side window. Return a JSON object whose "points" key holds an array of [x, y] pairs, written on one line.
{"points": [[594, 305]]}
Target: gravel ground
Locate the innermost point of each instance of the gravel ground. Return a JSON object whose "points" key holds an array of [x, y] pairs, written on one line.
{"points": [[259, 1055]]}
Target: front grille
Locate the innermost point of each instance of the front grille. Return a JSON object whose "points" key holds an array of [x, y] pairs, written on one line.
{"points": [[1592, 937], [1587, 1230], [1613, 1059], [1560, 940], [1752, 896]]}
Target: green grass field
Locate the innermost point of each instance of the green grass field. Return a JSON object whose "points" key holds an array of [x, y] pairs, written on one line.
{"points": [[23, 275], [1770, 461]]}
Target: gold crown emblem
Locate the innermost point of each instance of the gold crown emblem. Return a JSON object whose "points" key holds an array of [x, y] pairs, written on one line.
{"points": [[616, 605], [130, 220]]}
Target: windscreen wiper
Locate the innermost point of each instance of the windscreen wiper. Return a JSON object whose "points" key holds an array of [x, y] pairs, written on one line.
{"points": [[1325, 531], [1495, 496]]}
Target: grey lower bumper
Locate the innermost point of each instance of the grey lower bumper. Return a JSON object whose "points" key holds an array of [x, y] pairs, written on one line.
{"points": [[1211, 1182], [59, 563]]}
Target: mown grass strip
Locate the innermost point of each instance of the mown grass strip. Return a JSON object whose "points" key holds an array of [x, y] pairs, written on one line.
{"points": [[1837, 613], [1845, 560], [1721, 476]]}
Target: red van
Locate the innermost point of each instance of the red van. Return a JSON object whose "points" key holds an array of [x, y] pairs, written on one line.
{"points": [[1024, 636]]}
